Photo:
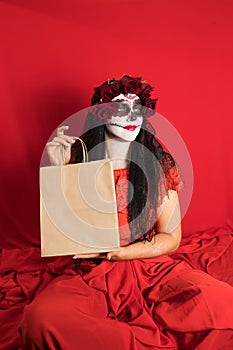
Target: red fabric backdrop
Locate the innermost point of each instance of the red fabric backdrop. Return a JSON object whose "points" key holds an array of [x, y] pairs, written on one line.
{"points": [[52, 55], [54, 52]]}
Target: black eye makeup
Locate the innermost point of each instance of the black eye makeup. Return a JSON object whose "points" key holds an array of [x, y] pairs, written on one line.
{"points": [[124, 109], [137, 109]]}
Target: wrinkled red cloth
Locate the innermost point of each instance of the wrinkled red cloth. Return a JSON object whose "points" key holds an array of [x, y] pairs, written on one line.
{"points": [[133, 305], [159, 303]]}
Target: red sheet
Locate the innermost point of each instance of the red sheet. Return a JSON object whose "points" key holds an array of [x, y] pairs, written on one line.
{"points": [[25, 274]]}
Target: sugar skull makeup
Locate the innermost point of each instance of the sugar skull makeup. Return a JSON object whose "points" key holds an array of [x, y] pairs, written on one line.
{"points": [[127, 119]]}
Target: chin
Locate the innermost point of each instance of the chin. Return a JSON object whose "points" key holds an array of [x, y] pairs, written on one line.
{"points": [[126, 135], [129, 138]]}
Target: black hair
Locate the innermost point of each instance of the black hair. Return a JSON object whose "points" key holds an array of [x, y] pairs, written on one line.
{"points": [[148, 163]]}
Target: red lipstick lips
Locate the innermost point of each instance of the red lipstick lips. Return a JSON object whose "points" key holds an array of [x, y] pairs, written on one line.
{"points": [[130, 127]]}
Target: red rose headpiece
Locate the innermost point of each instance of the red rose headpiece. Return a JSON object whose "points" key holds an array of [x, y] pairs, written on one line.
{"points": [[126, 85]]}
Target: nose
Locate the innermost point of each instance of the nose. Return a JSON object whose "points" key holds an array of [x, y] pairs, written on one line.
{"points": [[132, 116]]}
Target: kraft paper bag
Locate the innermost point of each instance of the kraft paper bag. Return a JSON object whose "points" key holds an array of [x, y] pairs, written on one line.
{"points": [[78, 212]]}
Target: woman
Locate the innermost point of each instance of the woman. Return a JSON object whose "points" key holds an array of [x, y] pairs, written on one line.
{"points": [[138, 297]]}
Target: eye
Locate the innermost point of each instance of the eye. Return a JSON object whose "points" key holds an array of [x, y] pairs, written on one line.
{"points": [[137, 109], [122, 110]]}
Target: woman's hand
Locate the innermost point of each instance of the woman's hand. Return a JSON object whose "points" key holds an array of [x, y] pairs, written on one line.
{"points": [[116, 255], [60, 147]]}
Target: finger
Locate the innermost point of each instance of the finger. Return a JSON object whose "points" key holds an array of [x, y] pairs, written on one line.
{"points": [[67, 138], [61, 129], [87, 256], [61, 141], [114, 255], [52, 143]]}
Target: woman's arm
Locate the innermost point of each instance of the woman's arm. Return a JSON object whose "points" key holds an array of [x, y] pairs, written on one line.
{"points": [[165, 241]]}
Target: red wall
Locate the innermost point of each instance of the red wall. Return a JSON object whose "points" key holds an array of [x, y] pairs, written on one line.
{"points": [[54, 52]]}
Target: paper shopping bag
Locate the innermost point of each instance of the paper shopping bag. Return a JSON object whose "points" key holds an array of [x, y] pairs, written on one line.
{"points": [[78, 212]]}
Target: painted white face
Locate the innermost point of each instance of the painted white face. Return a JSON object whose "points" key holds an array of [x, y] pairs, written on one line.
{"points": [[127, 122]]}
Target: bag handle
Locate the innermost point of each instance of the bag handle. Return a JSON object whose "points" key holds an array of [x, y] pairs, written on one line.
{"points": [[84, 148]]}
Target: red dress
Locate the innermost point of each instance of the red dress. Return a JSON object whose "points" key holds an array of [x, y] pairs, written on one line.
{"points": [[156, 303]]}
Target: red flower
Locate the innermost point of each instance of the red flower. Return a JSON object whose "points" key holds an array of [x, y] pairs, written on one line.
{"points": [[131, 85], [145, 93], [151, 103], [108, 92]]}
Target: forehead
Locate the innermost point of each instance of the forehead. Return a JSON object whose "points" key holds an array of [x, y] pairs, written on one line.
{"points": [[130, 98]]}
